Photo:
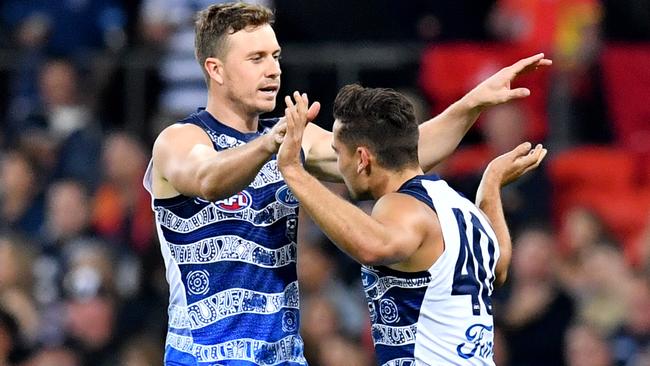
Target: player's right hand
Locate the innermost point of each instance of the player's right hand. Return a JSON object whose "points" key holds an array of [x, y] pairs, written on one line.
{"points": [[276, 136]]}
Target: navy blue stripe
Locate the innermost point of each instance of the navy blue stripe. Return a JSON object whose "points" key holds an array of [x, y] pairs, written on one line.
{"points": [[387, 353], [170, 202], [267, 327], [232, 274], [413, 187], [261, 198], [204, 118], [264, 236], [400, 274]]}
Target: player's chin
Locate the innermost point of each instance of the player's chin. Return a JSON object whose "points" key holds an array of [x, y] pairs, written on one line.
{"points": [[266, 106]]}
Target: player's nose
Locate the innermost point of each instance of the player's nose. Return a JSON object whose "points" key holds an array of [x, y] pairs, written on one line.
{"points": [[273, 69]]}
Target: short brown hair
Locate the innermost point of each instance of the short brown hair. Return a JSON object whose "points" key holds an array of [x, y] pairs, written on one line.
{"points": [[381, 119], [218, 20]]}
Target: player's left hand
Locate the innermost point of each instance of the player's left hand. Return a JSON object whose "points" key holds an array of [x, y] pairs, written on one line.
{"points": [[296, 116], [496, 89], [513, 164]]}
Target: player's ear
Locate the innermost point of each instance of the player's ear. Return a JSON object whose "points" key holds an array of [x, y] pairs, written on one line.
{"points": [[214, 67], [363, 160]]}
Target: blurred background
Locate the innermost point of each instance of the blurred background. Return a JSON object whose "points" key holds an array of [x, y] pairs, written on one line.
{"points": [[86, 85]]}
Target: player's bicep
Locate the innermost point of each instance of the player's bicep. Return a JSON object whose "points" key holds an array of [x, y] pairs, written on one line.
{"points": [[320, 158], [178, 155], [404, 223]]}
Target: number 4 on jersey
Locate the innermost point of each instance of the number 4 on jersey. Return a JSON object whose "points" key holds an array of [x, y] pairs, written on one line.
{"points": [[470, 275]]}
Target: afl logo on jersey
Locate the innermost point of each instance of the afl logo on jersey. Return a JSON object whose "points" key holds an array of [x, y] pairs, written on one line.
{"points": [[235, 203], [284, 195]]}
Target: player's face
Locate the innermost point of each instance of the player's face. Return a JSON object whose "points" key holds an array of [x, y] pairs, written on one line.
{"points": [[252, 69], [347, 162]]}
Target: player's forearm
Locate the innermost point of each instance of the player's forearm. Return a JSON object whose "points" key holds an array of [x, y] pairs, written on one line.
{"points": [[324, 167], [349, 228], [320, 158], [440, 135], [233, 169], [488, 199]]}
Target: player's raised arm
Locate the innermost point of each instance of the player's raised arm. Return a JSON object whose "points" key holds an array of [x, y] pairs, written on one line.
{"points": [[185, 162], [501, 171], [440, 136]]}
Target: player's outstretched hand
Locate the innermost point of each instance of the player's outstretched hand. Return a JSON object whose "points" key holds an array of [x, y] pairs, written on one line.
{"points": [[496, 89], [513, 164], [296, 117]]}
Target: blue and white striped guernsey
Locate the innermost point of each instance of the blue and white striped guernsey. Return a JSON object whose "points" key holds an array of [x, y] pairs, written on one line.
{"points": [[231, 267], [441, 316]]}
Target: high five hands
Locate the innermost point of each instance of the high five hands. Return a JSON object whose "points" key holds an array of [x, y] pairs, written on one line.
{"points": [[296, 117], [276, 136]]}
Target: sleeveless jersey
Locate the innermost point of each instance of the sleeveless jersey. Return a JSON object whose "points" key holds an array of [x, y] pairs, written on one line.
{"points": [[442, 316], [231, 267]]}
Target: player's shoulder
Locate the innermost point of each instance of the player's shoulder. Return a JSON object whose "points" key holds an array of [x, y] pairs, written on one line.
{"points": [[178, 135], [406, 214], [175, 131], [402, 205]]}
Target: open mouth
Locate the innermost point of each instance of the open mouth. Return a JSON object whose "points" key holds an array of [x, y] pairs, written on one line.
{"points": [[270, 90]]}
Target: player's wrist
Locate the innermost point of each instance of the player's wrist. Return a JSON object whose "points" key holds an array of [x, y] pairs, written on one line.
{"points": [[271, 144], [472, 101], [493, 177], [293, 172]]}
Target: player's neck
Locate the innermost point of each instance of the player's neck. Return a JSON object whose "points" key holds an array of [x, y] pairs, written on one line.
{"points": [[232, 115], [389, 181]]}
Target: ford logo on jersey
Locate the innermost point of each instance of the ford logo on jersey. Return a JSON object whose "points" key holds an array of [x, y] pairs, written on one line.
{"points": [[235, 203], [368, 278], [285, 196]]}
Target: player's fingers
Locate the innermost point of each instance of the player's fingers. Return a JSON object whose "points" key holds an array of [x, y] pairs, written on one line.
{"points": [[298, 98], [520, 65], [298, 125], [288, 101], [539, 156], [518, 93], [533, 155], [523, 149], [304, 98], [301, 106], [313, 111], [304, 102], [289, 117]]}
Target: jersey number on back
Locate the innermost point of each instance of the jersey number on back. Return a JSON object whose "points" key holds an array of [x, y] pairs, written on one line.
{"points": [[476, 282]]}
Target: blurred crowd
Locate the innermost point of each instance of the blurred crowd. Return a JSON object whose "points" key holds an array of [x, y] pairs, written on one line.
{"points": [[81, 275]]}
